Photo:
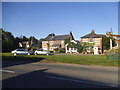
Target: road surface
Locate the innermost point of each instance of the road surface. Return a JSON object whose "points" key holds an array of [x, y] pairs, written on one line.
{"points": [[58, 75]]}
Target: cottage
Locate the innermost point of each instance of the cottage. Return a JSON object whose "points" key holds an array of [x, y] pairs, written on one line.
{"points": [[93, 38], [53, 41]]}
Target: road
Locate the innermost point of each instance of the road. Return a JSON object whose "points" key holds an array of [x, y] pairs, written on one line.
{"points": [[58, 75]]}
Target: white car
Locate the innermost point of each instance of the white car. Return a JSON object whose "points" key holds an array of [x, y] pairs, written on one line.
{"points": [[21, 52], [41, 51]]}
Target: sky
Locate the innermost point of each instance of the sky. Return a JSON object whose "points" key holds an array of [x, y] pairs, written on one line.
{"points": [[42, 18]]}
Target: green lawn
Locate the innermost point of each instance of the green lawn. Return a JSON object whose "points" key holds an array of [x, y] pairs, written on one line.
{"points": [[75, 59]]}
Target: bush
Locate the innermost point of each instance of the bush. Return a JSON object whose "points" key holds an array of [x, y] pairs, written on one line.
{"points": [[56, 49], [51, 51], [113, 50], [62, 50]]}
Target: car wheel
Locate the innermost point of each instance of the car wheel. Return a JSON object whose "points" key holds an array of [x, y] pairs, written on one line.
{"points": [[28, 54], [47, 54], [15, 54]]}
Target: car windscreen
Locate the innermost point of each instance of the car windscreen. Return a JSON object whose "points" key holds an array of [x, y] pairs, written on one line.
{"points": [[39, 50], [20, 50]]}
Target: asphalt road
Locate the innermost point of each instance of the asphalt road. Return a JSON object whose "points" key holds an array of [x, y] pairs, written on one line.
{"points": [[56, 75]]}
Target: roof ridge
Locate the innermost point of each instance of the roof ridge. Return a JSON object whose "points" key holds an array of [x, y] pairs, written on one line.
{"points": [[61, 35], [92, 35]]}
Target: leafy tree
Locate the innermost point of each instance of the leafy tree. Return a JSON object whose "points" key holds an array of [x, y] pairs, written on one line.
{"points": [[84, 50], [48, 46], [66, 41], [78, 46], [86, 44], [23, 38], [40, 42], [106, 42], [34, 40], [56, 49], [7, 41], [16, 42]]}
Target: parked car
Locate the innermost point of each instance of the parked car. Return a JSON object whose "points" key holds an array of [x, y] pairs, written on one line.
{"points": [[41, 51], [21, 52]]}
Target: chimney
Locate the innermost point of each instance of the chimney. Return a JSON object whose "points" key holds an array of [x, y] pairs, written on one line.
{"points": [[93, 31], [108, 34], [53, 35]]}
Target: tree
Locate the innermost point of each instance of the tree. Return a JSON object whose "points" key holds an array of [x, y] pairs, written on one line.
{"points": [[40, 42], [7, 41], [17, 41], [106, 42], [48, 46], [78, 46], [86, 44], [67, 41], [23, 38], [34, 40]]}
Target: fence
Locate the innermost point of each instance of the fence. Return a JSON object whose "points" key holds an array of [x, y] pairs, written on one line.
{"points": [[111, 55]]}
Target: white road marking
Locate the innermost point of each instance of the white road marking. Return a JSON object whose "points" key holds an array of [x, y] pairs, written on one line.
{"points": [[80, 81], [8, 71]]}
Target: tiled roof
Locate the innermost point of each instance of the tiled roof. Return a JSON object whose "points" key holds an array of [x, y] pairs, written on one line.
{"points": [[61, 37], [57, 37], [93, 35], [116, 35]]}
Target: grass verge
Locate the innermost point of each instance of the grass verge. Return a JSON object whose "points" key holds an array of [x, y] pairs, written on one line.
{"points": [[74, 59]]}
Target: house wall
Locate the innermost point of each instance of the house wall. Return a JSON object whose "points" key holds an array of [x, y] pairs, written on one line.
{"points": [[51, 43], [97, 41], [44, 45], [117, 40], [84, 40]]}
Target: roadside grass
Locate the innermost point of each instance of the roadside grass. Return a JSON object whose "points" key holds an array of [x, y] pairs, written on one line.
{"points": [[10, 57], [74, 59], [83, 59]]}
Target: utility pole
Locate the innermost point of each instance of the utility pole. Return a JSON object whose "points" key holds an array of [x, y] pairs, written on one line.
{"points": [[110, 43]]}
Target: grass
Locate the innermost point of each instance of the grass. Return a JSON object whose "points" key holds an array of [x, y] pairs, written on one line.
{"points": [[10, 57], [74, 59]]}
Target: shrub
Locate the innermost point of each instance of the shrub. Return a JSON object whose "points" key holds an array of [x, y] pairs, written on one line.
{"points": [[51, 51], [113, 50], [62, 50], [56, 49]]}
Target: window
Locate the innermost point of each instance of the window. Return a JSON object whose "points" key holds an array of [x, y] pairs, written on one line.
{"points": [[44, 43], [44, 47], [75, 48], [20, 50], [91, 39], [51, 48], [40, 49], [71, 48], [62, 42], [117, 38], [51, 42]]}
